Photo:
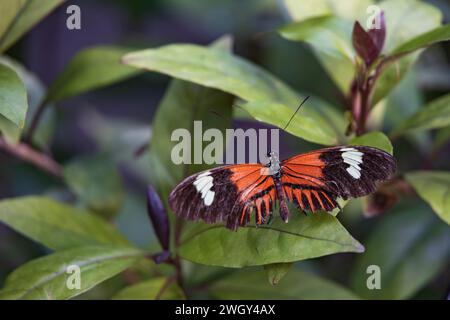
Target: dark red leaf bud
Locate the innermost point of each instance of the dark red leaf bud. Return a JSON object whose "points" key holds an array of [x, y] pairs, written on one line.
{"points": [[378, 33], [368, 44]]}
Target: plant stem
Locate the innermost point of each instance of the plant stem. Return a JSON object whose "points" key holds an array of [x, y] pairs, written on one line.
{"points": [[26, 153], [35, 120], [177, 261], [361, 97], [364, 111]]}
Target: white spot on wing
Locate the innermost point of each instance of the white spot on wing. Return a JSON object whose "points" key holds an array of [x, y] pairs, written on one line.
{"points": [[354, 172], [203, 183], [209, 198], [206, 188], [353, 158]]}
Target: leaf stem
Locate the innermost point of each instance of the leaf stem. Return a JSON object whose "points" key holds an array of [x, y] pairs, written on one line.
{"points": [[24, 152], [35, 120]]}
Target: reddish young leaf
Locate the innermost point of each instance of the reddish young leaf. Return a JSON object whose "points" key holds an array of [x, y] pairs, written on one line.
{"points": [[368, 44], [378, 33], [363, 44]]}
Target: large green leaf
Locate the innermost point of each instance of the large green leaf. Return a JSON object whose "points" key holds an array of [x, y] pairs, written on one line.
{"points": [[47, 278], [330, 36], [327, 26], [9, 10], [96, 182], [216, 69], [13, 97], [157, 288], [411, 247], [349, 9], [224, 71], [442, 137], [90, 69], [302, 238], [251, 284], [434, 188], [401, 21], [56, 225], [182, 104], [323, 125], [402, 102], [36, 92], [435, 114], [18, 16], [10, 132], [402, 29], [277, 271], [374, 139], [424, 40]]}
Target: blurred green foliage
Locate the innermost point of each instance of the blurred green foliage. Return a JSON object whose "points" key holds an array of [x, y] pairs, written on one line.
{"points": [[85, 213]]}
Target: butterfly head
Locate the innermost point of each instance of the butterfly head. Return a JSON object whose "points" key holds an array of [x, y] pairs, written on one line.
{"points": [[274, 163]]}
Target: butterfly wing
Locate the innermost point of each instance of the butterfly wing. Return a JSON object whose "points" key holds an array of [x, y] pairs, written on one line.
{"points": [[228, 193], [314, 180]]}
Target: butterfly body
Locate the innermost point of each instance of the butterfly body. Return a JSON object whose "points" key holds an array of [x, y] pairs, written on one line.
{"points": [[312, 181]]}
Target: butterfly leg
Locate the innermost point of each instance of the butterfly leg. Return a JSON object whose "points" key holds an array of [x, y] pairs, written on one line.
{"points": [[269, 220], [284, 210]]}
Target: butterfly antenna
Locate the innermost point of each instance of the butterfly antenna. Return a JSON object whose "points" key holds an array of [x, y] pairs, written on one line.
{"points": [[217, 114], [303, 102]]}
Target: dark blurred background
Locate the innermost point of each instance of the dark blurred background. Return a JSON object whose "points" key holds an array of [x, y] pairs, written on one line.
{"points": [[130, 105]]}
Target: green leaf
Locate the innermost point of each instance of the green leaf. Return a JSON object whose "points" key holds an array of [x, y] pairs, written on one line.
{"points": [[424, 40], [221, 70], [302, 238], [56, 225], [401, 29], [36, 91], [13, 96], [411, 247], [252, 285], [322, 125], [277, 271], [374, 139], [215, 69], [10, 132], [442, 137], [435, 114], [90, 69], [157, 288], [19, 16], [326, 25], [330, 36], [47, 278], [434, 188], [401, 103], [182, 104], [348, 9], [9, 10], [95, 180]]}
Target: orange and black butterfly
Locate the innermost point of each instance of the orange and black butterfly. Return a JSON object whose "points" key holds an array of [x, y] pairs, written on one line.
{"points": [[312, 181]]}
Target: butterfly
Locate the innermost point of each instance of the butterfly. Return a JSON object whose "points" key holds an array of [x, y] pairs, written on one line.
{"points": [[311, 181]]}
